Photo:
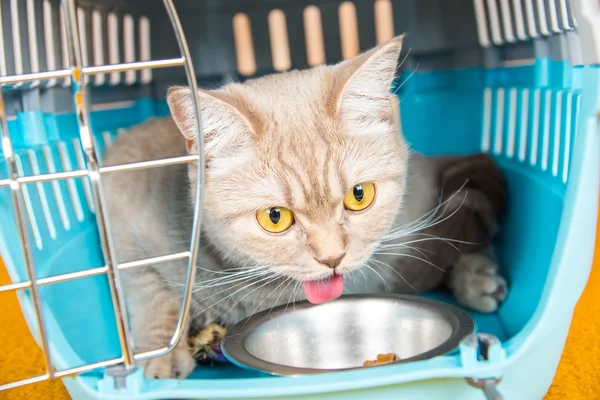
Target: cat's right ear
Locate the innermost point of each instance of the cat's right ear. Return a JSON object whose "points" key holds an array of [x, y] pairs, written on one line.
{"points": [[226, 131]]}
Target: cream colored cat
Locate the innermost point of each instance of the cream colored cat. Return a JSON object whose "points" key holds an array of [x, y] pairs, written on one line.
{"points": [[310, 185]]}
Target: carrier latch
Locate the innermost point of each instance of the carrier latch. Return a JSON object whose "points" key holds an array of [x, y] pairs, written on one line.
{"points": [[478, 348]]}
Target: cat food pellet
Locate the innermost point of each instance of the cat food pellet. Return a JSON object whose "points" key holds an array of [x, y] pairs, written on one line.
{"points": [[381, 359]]}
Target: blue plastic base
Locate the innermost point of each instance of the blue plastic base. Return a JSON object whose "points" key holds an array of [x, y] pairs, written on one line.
{"points": [[537, 121]]}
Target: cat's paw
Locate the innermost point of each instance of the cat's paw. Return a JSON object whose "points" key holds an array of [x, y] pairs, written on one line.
{"points": [[476, 284], [205, 345], [178, 364]]}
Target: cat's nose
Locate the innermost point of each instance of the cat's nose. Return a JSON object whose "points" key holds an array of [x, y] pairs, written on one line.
{"points": [[331, 262]]}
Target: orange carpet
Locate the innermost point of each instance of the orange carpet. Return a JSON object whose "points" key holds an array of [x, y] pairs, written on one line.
{"points": [[577, 378]]}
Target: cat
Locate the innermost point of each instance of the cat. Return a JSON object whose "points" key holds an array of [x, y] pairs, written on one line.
{"points": [[309, 184]]}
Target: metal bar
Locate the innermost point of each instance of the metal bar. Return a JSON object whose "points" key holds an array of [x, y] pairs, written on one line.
{"points": [[23, 382], [96, 271], [37, 76], [134, 66], [21, 220], [73, 275], [64, 73], [148, 164], [62, 374], [80, 173], [87, 143], [155, 260], [199, 194], [88, 367], [15, 286]]}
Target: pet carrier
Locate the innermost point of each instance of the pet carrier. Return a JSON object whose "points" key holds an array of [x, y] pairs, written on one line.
{"points": [[517, 79]]}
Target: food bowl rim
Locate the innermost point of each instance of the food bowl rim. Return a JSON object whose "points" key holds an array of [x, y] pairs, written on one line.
{"points": [[233, 347]]}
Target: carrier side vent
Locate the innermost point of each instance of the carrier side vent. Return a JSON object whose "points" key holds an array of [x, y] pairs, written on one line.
{"points": [[506, 21], [532, 126]]}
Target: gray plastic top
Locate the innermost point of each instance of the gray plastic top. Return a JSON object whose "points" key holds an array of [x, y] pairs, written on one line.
{"points": [[441, 34]]}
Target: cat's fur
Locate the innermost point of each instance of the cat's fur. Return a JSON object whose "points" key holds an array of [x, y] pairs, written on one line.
{"points": [[300, 140]]}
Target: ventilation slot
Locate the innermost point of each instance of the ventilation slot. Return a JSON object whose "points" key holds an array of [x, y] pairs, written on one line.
{"points": [[487, 120], [546, 131], [98, 41], [33, 223], [145, 55], [553, 13], [535, 129], [499, 128], [348, 30], [482, 26], [82, 26], [567, 145], [519, 20], [558, 110], [56, 188], [280, 45], [42, 195], [16, 36], [49, 40], [113, 46], [65, 53], [524, 125], [384, 21], [531, 25], [509, 33], [33, 43], [512, 123], [244, 48], [71, 185], [129, 47], [313, 30], [542, 21], [81, 165], [3, 70], [494, 19]]}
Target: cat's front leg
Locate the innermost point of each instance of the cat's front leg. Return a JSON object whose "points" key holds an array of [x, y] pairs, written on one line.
{"points": [[476, 283], [154, 310], [477, 196]]}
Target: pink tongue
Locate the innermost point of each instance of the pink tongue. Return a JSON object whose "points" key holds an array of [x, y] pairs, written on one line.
{"points": [[318, 292]]}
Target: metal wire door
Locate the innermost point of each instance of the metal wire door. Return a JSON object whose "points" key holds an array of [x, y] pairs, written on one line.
{"points": [[94, 172]]}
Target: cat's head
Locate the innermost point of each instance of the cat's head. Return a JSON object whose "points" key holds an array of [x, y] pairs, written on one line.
{"points": [[305, 169]]}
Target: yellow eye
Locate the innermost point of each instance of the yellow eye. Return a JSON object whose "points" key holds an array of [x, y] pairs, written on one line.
{"points": [[360, 196], [275, 219]]}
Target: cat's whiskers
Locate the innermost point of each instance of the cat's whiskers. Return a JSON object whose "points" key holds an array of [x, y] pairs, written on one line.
{"points": [[387, 288], [269, 281], [296, 290], [242, 279], [291, 280], [411, 256], [230, 279], [232, 271], [409, 76], [408, 229], [229, 288], [381, 263], [404, 246], [292, 294], [270, 277], [269, 295], [428, 238]]}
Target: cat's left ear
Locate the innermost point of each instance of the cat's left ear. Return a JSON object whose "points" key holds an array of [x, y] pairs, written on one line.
{"points": [[366, 81], [227, 132]]}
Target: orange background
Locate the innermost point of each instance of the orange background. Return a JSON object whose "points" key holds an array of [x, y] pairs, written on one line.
{"points": [[578, 375]]}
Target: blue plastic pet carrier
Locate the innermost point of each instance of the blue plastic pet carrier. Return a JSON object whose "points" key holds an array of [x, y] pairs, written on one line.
{"points": [[517, 79]]}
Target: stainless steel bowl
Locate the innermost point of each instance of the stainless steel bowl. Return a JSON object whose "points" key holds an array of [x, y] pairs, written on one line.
{"points": [[344, 333]]}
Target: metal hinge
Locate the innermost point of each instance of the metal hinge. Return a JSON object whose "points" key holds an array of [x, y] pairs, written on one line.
{"points": [[478, 349]]}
